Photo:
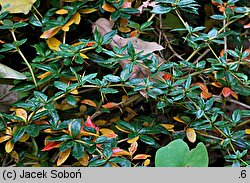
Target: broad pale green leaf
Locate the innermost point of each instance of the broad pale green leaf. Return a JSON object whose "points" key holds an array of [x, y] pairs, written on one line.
{"points": [[17, 6], [8, 73], [177, 154]]}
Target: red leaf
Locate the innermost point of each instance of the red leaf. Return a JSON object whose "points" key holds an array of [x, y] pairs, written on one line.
{"points": [[50, 145], [90, 124], [226, 92]]}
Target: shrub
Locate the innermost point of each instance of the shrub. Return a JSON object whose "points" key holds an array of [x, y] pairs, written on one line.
{"points": [[109, 82]]}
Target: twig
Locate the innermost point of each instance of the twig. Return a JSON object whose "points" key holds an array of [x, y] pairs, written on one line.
{"points": [[219, 99], [201, 56]]}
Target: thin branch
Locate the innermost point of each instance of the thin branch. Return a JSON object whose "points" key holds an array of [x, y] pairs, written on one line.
{"points": [[219, 99]]}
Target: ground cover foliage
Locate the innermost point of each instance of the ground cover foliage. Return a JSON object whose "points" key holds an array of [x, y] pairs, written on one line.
{"points": [[124, 83]]}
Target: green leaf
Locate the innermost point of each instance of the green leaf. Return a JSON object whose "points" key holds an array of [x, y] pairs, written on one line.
{"points": [[130, 10], [109, 90], [121, 161], [63, 137], [78, 150], [158, 9], [71, 100], [177, 154], [33, 130], [66, 145], [218, 17], [148, 140], [18, 134], [60, 85], [112, 78], [97, 163], [125, 125], [75, 127]]}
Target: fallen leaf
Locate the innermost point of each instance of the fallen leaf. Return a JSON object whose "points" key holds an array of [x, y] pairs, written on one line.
{"points": [[63, 156], [191, 135], [17, 6]]}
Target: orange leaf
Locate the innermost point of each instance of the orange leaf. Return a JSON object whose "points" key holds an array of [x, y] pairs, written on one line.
{"points": [[109, 105], [176, 118], [89, 102], [221, 53], [44, 75], [9, 146], [247, 131], [226, 92], [248, 57], [90, 43], [108, 8], [234, 94], [202, 86], [247, 26], [90, 124], [134, 33], [108, 133], [142, 156], [191, 135], [53, 43], [167, 76], [217, 84], [51, 145], [133, 148], [63, 156], [119, 152], [206, 95], [51, 32]]}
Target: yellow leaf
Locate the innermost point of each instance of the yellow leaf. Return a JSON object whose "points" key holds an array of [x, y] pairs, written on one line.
{"points": [[17, 6], [53, 43], [100, 122], [85, 133], [8, 131], [88, 10], [62, 12], [63, 156], [130, 141], [247, 131], [9, 146], [83, 108], [124, 29], [108, 8], [146, 162], [21, 113], [108, 133], [142, 156], [74, 92], [24, 138], [44, 75], [84, 56], [51, 32], [119, 128], [191, 135], [36, 165], [4, 138], [169, 127], [14, 155], [114, 120], [176, 118], [84, 160], [77, 18]]}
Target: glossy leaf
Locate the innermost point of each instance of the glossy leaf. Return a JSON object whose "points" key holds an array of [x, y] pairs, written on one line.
{"points": [[63, 156]]}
